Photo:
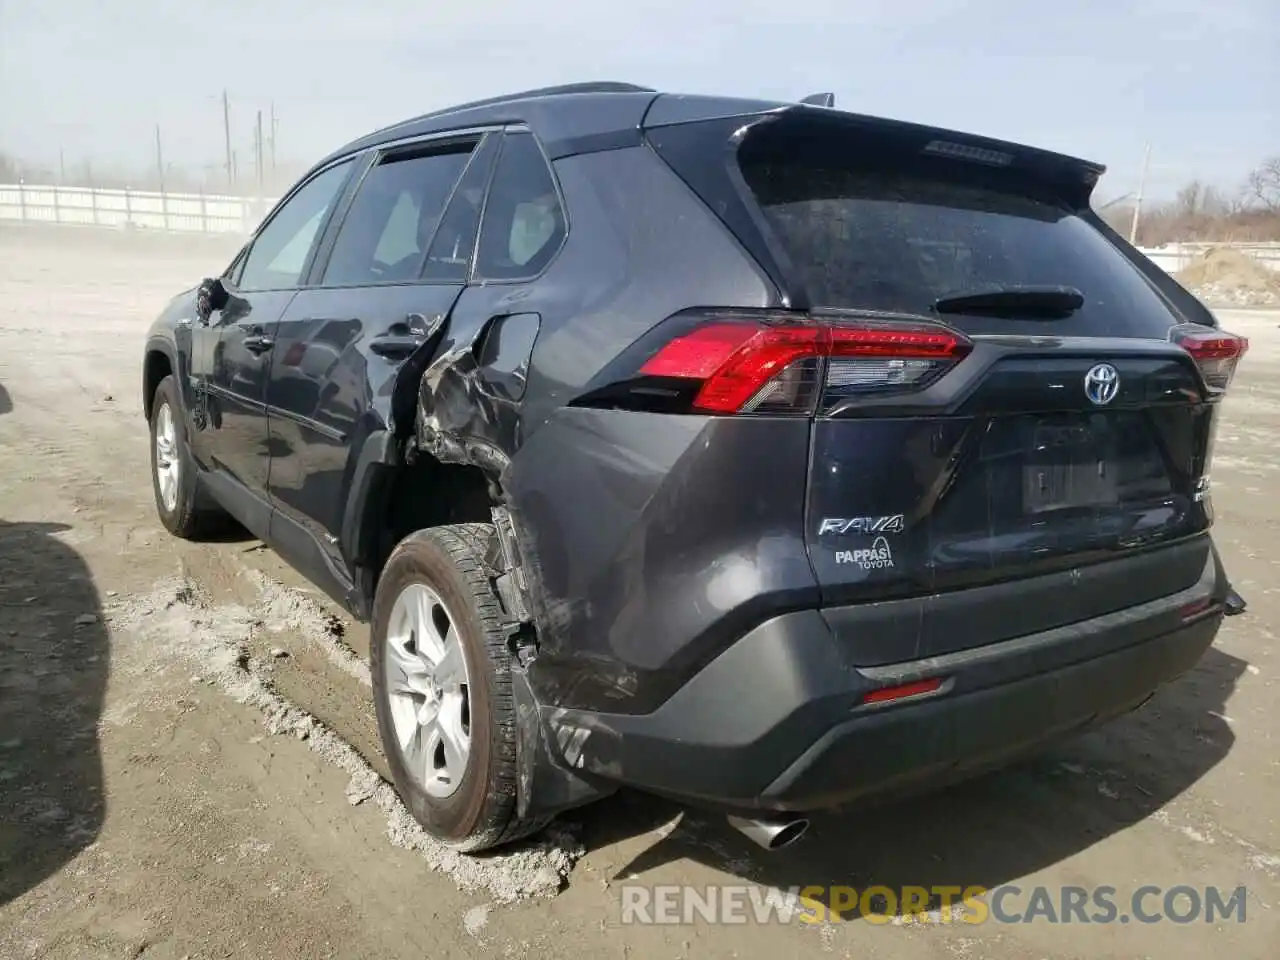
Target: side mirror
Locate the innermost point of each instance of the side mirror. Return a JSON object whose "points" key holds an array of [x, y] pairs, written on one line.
{"points": [[211, 295]]}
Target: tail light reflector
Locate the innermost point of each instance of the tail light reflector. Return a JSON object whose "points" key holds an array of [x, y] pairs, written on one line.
{"points": [[1216, 352], [916, 688], [1197, 609], [781, 364]]}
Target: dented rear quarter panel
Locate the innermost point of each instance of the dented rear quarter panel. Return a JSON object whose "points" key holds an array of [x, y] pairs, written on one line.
{"points": [[643, 547]]}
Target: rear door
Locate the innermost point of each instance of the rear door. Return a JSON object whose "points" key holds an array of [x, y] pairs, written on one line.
{"points": [[1061, 431], [382, 292]]}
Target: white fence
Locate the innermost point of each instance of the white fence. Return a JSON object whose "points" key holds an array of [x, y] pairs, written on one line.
{"points": [[201, 213], [191, 213], [1172, 257]]}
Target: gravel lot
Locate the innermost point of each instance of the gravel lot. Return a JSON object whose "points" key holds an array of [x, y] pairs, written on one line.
{"points": [[189, 768]]}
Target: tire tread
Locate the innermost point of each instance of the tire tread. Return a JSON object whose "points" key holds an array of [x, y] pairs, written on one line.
{"points": [[466, 545]]}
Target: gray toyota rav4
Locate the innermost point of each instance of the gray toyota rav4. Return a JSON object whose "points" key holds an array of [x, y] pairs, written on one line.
{"points": [[761, 455]]}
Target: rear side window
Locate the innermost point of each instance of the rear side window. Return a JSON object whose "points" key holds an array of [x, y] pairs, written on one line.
{"points": [[899, 239], [450, 255], [524, 224], [386, 231]]}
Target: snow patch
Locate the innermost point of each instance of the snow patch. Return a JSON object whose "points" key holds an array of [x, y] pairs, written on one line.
{"points": [[176, 619]]}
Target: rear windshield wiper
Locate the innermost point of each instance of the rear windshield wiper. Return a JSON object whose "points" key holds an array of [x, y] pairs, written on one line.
{"points": [[1032, 302]]}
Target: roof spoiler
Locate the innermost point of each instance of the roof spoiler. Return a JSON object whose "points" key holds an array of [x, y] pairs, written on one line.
{"points": [[820, 100]]}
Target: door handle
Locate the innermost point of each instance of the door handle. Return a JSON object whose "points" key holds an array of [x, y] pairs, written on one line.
{"points": [[258, 343], [405, 337], [392, 346]]}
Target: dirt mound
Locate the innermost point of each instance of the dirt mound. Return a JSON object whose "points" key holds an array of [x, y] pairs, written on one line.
{"points": [[1224, 275]]}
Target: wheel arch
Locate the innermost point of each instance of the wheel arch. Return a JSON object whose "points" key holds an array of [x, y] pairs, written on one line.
{"points": [[158, 362], [393, 496]]}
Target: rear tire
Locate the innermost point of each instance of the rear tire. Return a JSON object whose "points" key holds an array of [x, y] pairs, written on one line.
{"points": [[435, 603], [174, 478]]}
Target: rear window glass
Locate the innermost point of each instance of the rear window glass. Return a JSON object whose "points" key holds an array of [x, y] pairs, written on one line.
{"points": [[892, 240]]}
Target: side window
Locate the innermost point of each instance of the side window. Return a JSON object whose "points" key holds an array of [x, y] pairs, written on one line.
{"points": [[279, 252], [385, 234], [400, 235], [449, 258], [524, 223]]}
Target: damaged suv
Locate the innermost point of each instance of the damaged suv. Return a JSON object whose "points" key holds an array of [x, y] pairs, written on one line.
{"points": [[760, 455]]}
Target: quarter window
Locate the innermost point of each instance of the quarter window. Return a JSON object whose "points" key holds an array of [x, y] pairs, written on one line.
{"points": [[524, 223]]}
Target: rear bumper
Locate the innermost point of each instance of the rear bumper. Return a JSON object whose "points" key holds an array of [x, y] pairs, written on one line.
{"points": [[950, 737], [778, 722]]}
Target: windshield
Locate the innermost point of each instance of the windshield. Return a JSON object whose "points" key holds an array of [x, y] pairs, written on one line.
{"points": [[886, 240]]}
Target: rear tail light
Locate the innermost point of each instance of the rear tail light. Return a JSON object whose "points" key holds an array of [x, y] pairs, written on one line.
{"points": [[1216, 352], [777, 364]]}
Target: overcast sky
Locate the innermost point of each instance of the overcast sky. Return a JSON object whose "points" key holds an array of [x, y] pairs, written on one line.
{"points": [[1197, 78]]}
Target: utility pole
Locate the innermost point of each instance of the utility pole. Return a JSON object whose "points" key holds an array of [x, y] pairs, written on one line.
{"points": [[226, 133], [259, 152], [274, 127], [159, 159], [62, 168], [1137, 201]]}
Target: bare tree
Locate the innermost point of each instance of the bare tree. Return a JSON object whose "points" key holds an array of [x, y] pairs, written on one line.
{"points": [[1264, 184], [1190, 199]]}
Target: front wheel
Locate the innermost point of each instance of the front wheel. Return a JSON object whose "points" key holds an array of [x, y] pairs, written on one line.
{"points": [[442, 688], [173, 471]]}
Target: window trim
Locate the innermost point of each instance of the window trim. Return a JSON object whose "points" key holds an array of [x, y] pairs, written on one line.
{"points": [[374, 156], [316, 243], [496, 137], [233, 268], [474, 278]]}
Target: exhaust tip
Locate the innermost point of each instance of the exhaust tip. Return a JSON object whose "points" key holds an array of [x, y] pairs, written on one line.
{"points": [[790, 834], [771, 833]]}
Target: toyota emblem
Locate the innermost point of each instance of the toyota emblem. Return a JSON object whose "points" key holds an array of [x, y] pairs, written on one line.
{"points": [[1101, 384]]}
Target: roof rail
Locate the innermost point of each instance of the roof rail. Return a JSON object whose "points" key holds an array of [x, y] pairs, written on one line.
{"points": [[820, 99], [591, 86]]}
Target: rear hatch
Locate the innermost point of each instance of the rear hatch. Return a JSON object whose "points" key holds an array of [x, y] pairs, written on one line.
{"points": [[1013, 398]]}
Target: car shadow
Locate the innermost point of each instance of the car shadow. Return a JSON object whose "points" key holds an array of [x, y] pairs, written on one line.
{"points": [[54, 663], [984, 832], [228, 530], [6, 404]]}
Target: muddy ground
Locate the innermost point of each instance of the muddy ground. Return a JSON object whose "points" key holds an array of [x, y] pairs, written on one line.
{"points": [[188, 763]]}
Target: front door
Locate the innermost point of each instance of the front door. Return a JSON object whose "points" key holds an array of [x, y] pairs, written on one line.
{"points": [[378, 306], [235, 442]]}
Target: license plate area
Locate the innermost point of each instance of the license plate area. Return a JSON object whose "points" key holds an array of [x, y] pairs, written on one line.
{"points": [[1068, 466]]}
